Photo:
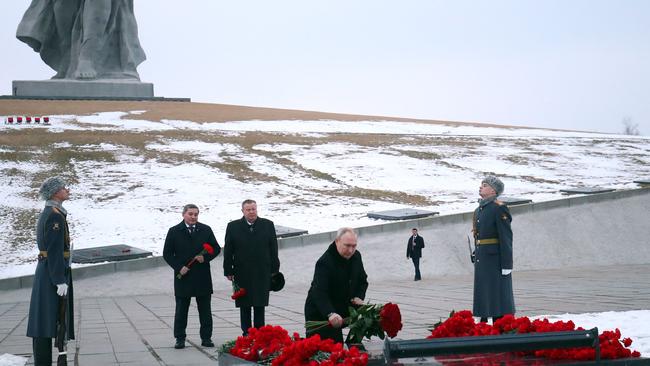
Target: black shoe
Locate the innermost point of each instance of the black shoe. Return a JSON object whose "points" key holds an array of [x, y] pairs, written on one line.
{"points": [[207, 343], [180, 343]]}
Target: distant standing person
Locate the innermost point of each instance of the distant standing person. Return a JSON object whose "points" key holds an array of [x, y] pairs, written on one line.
{"points": [[250, 259], [183, 243], [340, 281], [493, 296], [414, 251], [52, 280]]}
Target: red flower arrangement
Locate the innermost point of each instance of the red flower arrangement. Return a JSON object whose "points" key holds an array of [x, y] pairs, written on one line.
{"points": [[207, 249], [237, 291], [461, 324], [262, 344], [367, 321], [272, 345], [314, 351]]}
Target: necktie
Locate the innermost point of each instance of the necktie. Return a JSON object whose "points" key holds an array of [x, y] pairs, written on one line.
{"points": [[191, 228]]}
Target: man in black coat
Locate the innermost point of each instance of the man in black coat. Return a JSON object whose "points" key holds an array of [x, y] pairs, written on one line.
{"points": [[250, 259], [493, 295], [184, 242], [414, 251], [340, 281], [53, 280]]}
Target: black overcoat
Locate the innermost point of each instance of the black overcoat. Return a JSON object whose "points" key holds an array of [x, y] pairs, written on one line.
{"points": [[414, 251], [251, 256], [180, 248], [52, 235], [336, 281], [493, 294]]}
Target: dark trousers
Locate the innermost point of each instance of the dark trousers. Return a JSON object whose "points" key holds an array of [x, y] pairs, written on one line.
{"points": [[205, 316], [42, 348], [416, 263], [245, 317]]}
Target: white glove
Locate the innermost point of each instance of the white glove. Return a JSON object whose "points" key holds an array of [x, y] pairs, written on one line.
{"points": [[505, 272], [62, 289]]}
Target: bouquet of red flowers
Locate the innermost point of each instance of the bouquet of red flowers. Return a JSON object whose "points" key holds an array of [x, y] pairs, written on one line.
{"points": [[367, 321], [237, 291], [261, 345], [314, 351], [271, 345], [461, 324], [207, 249]]}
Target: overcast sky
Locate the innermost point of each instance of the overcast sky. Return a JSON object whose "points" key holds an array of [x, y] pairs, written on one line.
{"points": [[576, 64]]}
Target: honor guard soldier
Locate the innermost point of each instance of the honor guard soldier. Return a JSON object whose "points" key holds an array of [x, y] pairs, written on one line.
{"points": [[493, 295], [52, 289]]}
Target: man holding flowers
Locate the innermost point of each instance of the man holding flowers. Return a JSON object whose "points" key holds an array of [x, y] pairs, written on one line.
{"points": [[340, 281], [189, 248], [250, 260]]}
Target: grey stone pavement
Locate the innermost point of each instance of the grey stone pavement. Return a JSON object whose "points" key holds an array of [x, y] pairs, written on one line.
{"points": [[137, 330]]}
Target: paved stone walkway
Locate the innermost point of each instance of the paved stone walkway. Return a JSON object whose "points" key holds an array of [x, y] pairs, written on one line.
{"points": [[137, 330]]}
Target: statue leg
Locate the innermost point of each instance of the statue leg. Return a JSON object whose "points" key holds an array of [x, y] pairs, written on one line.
{"points": [[95, 17], [65, 12]]}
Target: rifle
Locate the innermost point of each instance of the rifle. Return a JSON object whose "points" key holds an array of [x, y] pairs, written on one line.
{"points": [[472, 253], [61, 342]]}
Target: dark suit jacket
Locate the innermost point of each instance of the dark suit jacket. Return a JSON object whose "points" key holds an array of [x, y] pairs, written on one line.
{"points": [[414, 251], [336, 281], [180, 248], [251, 255]]}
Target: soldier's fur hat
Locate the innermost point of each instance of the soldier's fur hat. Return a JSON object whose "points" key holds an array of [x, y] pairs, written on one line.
{"points": [[50, 187], [495, 183]]}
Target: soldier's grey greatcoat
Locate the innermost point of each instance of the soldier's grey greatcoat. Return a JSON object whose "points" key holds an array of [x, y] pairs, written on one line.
{"points": [[250, 254], [53, 237], [493, 295]]}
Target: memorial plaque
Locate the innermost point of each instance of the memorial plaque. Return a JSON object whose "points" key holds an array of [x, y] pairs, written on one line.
{"points": [[401, 214], [108, 253], [586, 190], [511, 201], [286, 232], [643, 182]]}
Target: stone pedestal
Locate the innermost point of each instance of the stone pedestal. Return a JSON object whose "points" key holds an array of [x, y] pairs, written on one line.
{"points": [[65, 88]]}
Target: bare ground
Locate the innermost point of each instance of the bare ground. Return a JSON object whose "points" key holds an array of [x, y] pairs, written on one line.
{"points": [[188, 111]]}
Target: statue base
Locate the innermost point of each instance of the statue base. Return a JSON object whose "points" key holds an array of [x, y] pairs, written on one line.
{"points": [[66, 88]]}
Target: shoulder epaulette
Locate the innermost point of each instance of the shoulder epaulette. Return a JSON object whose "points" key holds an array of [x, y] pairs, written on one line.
{"points": [[500, 203]]}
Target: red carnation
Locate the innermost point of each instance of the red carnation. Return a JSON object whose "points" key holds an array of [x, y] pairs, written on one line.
{"points": [[390, 319], [237, 291], [461, 324], [207, 249]]}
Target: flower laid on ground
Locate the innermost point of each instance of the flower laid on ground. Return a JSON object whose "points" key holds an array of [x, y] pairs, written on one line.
{"points": [[314, 351], [366, 321], [207, 249], [237, 291], [272, 345], [461, 324], [261, 344]]}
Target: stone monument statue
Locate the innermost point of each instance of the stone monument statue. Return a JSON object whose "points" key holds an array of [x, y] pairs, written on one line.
{"points": [[88, 41]]}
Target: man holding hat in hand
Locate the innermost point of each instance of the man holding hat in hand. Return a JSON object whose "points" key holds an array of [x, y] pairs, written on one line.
{"points": [[493, 295], [52, 280]]}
